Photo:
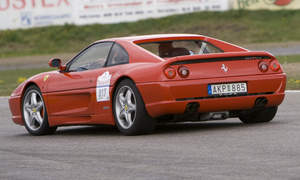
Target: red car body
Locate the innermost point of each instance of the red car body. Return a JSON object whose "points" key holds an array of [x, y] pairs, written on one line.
{"points": [[70, 97]]}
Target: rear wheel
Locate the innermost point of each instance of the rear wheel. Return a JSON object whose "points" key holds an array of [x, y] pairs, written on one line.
{"points": [[258, 116], [34, 112], [129, 110]]}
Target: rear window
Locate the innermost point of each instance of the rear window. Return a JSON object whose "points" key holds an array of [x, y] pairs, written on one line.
{"points": [[167, 49]]}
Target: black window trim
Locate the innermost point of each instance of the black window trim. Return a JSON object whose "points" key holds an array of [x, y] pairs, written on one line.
{"points": [[109, 55]]}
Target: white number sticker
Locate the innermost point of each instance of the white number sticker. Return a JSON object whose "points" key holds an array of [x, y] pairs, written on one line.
{"points": [[102, 88]]}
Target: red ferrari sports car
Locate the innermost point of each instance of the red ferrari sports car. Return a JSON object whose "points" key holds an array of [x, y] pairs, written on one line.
{"points": [[133, 82]]}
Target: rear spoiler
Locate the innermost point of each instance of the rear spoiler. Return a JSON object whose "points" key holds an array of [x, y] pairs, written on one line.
{"points": [[214, 57]]}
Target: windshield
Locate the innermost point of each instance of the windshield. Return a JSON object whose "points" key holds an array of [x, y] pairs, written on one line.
{"points": [[168, 49]]}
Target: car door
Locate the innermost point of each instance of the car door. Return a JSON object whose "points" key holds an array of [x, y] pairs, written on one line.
{"points": [[71, 94]]}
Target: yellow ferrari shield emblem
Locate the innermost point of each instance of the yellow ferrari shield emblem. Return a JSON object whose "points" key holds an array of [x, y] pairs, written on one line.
{"points": [[46, 77]]}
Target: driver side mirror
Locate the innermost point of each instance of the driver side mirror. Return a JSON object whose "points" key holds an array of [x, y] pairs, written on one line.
{"points": [[55, 62]]}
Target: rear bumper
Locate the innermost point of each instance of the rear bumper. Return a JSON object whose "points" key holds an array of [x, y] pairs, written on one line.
{"points": [[172, 97]]}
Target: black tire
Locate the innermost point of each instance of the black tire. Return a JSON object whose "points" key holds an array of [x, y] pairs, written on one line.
{"points": [[34, 112], [258, 116], [130, 113]]}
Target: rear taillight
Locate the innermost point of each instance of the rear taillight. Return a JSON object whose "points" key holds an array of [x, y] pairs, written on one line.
{"points": [[183, 71], [170, 72], [263, 66], [274, 65]]}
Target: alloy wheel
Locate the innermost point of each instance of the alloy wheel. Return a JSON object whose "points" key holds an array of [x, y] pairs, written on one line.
{"points": [[33, 110], [125, 107]]}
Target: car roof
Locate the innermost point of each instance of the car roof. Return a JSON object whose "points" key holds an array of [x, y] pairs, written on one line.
{"points": [[153, 37]]}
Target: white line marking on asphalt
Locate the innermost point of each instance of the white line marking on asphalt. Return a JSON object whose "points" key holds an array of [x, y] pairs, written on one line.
{"points": [[292, 91]]}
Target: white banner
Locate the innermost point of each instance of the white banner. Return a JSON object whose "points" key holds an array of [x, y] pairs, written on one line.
{"points": [[34, 13], [114, 11], [265, 4]]}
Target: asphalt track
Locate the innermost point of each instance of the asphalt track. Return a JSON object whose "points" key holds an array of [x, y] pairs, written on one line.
{"points": [[208, 150]]}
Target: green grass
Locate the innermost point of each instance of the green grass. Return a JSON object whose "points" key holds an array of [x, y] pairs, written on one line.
{"points": [[293, 83], [10, 79], [293, 75], [289, 59], [241, 27]]}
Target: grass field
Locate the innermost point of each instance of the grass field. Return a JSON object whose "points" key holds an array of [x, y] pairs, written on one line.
{"points": [[9, 79], [289, 59], [241, 27]]}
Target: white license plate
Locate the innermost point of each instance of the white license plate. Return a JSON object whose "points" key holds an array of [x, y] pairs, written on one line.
{"points": [[227, 89]]}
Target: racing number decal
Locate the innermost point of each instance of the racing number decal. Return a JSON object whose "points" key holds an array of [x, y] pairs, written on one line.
{"points": [[102, 88]]}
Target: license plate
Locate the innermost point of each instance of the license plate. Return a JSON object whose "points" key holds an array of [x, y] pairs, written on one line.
{"points": [[227, 89]]}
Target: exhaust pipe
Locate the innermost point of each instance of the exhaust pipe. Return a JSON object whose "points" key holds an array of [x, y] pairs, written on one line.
{"points": [[260, 102], [192, 107]]}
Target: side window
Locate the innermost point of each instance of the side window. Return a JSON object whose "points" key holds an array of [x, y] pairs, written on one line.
{"points": [[93, 57], [118, 55]]}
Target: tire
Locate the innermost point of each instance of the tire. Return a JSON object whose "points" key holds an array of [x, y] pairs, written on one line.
{"points": [[258, 116], [129, 110], [34, 112]]}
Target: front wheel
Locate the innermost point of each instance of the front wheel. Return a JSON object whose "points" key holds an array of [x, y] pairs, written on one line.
{"points": [[129, 110], [34, 112], [258, 116]]}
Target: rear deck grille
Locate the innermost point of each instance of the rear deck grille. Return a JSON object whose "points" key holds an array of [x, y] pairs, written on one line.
{"points": [[223, 96]]}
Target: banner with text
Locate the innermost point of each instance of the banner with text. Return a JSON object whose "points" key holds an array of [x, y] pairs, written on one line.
{"points": [[265, 4], [34, 13], [107, 11]]}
